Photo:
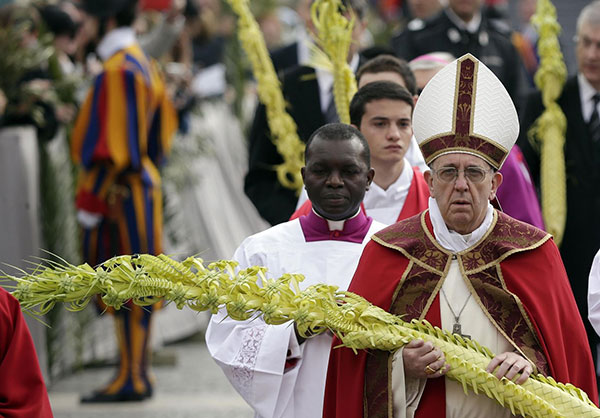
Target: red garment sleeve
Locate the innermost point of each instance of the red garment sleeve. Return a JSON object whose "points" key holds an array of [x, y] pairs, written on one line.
{"points": [[418, 196], [538, 277], [302, 210], [377, 276], [22, 389]]}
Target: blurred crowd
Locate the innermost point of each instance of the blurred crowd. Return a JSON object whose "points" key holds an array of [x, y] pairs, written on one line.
{"points": [[195, 42]]}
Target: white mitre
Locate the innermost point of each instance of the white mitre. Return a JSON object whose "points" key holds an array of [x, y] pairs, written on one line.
{"points": [[465, 108]]}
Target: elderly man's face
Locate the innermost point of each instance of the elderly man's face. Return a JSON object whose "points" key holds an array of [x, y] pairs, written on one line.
{"points": [[336, 177], [462, 202], [588, 53]]}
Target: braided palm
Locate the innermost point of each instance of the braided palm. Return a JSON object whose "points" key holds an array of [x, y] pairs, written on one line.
{"points": [[282, 126], [550, 127], [334, 37], [144, 279]]}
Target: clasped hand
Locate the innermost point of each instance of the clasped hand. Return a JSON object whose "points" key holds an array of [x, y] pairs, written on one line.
{"points": [[422, 360]]}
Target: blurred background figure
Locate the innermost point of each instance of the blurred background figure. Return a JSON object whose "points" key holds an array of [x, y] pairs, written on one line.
{"points": [[580, 103], [118, 200], [426, 66], [308, 91], [525, 38], [424, 9], [465, 27]]}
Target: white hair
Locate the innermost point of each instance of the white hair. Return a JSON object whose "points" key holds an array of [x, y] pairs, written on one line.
{"points": [[590, 15]]}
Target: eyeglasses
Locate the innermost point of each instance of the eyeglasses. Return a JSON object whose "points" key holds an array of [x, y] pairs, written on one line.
{"points": [[450, 174]]}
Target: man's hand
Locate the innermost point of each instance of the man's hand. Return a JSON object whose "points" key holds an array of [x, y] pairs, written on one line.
{"points": [[509, 365], [423, 361]]}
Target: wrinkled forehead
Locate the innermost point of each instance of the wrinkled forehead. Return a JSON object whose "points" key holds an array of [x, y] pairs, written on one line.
{"points": [[459, 159], [589, 31]]}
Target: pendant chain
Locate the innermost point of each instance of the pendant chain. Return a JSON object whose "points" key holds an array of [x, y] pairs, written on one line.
{"points": [[456, 317]]}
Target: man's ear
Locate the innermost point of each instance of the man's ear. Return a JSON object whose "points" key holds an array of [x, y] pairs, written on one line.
{"points": [[302, 173], [370, 176], [496, 182], [429, 180]]}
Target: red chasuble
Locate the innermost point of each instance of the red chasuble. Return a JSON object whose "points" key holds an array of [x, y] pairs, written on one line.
{"points": [[416, 200], [22, 389], [516, 272]]}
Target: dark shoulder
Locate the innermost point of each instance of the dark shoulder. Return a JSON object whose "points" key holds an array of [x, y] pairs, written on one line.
{"points": [[297, 74], [418, 28], [285, 57], [500, 35], [500, 27], [434, 24], [568, 97]]}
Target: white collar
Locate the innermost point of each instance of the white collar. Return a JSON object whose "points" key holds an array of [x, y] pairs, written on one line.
{"points": [[325, 82], [586, 92], [472, 26], [304, 42], [114, 41], [452, 240], [402, 183], [336, 225]]}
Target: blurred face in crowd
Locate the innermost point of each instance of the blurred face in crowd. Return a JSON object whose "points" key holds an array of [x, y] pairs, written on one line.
{"points": [[423, 76], [422, 9], [463, 198], [65, 44], [588, 53], [357, 33], [89, 31], [465, 9], [387, 126], [336, 177]]}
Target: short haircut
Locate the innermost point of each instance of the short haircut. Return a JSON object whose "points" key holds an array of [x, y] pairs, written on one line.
{"points": [[58, 21], [339, 132], [127, 14], [377, 90], [590, 14], [389, 63]]}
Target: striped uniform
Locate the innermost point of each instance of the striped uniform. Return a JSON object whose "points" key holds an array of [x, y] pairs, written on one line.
{"points": [[122, 133]]}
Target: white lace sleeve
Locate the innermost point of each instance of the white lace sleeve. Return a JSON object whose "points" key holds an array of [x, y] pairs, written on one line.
{"points": [[253, 354]]}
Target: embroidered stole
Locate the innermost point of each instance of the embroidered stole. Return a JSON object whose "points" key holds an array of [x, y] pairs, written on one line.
{"points": [[428, 266]]}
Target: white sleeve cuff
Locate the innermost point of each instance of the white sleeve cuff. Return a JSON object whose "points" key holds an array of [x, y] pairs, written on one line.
{"points": [[87, 219]]}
